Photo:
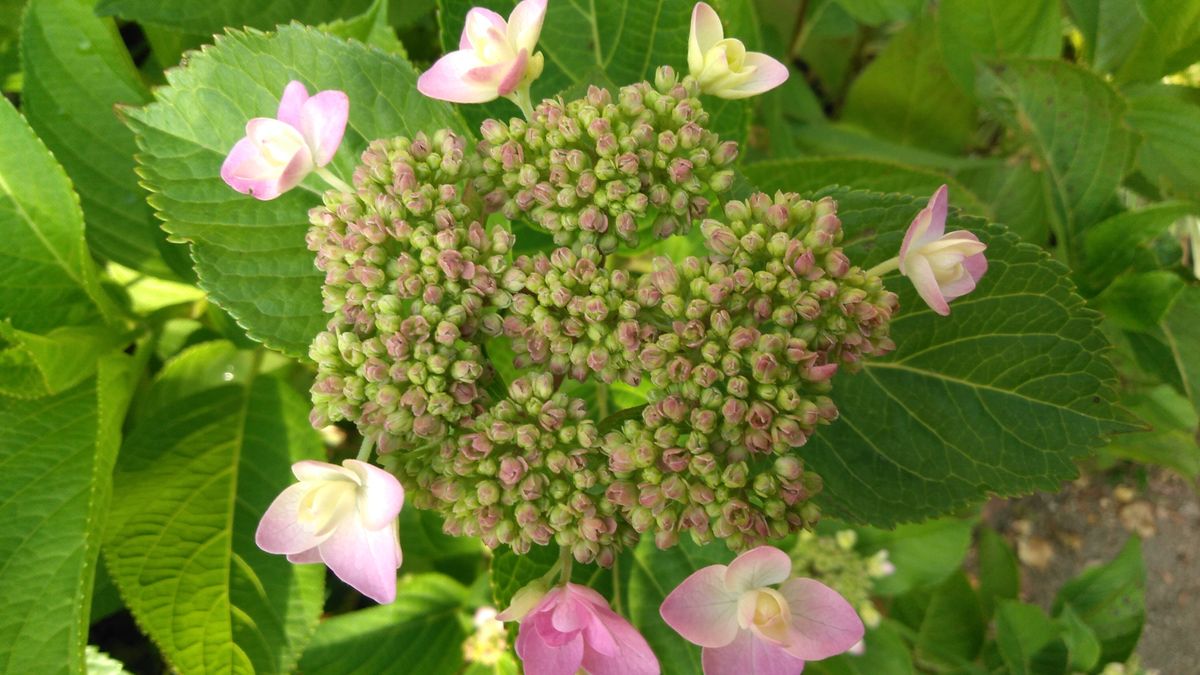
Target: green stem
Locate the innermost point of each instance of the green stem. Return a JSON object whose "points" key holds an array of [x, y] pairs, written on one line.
{"points": [[364, 451], [884, 267], [616, 574], [334, 182], [565, 559], [521, 98]]}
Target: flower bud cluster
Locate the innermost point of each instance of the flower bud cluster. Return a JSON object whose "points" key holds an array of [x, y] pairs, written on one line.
{"points": [[412, 284], [528, 472], [588, 170]]}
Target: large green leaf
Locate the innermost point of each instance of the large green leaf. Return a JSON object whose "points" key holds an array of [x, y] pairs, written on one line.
{"points": [[653, 574], [39, 365], [1168, 118], [212, 16], [875, 12], [193, 480], [999, 397], [251, 255], [47, 278], [1125, 241], [907, 94], [1072, 122], [418, 633], [1168, 39], [57, 455], [974, 31], [1016, 193], [76, 70], [1181, 332], [1111, 599], [809, 174]]}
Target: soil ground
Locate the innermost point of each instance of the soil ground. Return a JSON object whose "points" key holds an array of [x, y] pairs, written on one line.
{"points": [[1087, 523]]}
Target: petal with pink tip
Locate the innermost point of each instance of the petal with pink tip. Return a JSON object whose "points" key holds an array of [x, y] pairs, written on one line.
{"points": [[541, 658], [631, 654], [921, 275], [516, 72], [449, 79], [823, 623], [957, 288], [245, 170], [706, 32], [756, 568], [482, 25], [702, 609], [365, 559], [323, 123], [381, 496], [525, 24], [292, 102], [768, 73], [928, 225], [280, 530], [312, 555], [748, 655]]}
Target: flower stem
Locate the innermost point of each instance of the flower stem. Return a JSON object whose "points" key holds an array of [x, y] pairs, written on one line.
{"points": [[565, 560], [334, 182], [364, 451], [520, 97], [884, 267]]}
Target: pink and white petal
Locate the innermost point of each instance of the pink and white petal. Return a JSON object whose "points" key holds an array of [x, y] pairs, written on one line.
{"points": [[540, 658], [938, 204], [823, 623], [514, 75], [300, 166], [448, 79], [323, 123], [309, 469], [632, 655], [381, 496], [246, 171], [926, 284], [543, 618], [975, 265], [365, 559], [702, 609], [525, 24], [767, 74], [748, 655], [959, 287], [758, 567], [312, 555], [280, 530], [294, 96], [706, 31], [480, 26]]}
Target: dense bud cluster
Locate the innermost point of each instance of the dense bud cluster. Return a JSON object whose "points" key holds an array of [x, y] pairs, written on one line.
{"points": [[589, 170], [738, 345], [412, 283], [528, 473]]}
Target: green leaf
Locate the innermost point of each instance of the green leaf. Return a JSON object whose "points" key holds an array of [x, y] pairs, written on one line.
{"points": [[999, 572], [511, 572], [418, 633], [876, 12], [47, 277], [1181, 329], [975, 31], [58, 455], [1117, 244], [1015, 193], [653, 574], [848, 140], [1168, 118], [213, 16], [1168, 39], [1071, 120], [809, 174], [924, 553], [427, 548], [1028, 640], [191, 484], [10, 20], [1082, 643], [1106, 28], [1171, 442], [1111, 599], [1019, 362], [1139, 301], [99, 663], [76, 70], [952, 631], [34, 365], [906, 94], [250, 255]]}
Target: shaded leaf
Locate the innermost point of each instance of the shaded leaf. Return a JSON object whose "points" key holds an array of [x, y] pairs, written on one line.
{"points": [[1028, 639], [1168, 118], [213, 16], [953, 629], [1015, 194], [999, 571], [1111, 599], [924, 553], [1081, 640], [1117, 244], [35, 365], [976, 31]]}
